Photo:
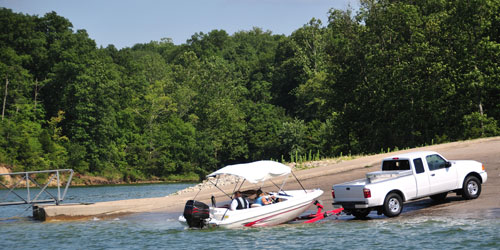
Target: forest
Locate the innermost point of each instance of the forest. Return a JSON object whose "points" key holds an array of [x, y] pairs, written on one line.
{"points": [[390, 75]]}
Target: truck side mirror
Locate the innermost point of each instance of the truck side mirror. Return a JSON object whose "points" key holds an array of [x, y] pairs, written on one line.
{"points": [[447, 164]]}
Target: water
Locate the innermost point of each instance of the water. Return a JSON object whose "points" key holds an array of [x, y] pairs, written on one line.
{"points": [[161, 230]]}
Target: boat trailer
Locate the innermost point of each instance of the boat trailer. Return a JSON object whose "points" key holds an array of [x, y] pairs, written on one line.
{"points": [[319, 215]]}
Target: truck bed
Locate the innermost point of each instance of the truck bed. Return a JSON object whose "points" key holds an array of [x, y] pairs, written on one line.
{"points": [[353, 191], [378, 176]]}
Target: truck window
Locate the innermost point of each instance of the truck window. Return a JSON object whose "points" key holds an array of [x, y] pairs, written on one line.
{"points": [[395, 165], [419, 166], [435, 162]]}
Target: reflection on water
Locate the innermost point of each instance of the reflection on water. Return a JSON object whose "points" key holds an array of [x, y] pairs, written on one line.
{"points": [[161, 230]]}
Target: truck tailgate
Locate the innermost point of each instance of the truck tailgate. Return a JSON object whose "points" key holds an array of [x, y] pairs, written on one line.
{"points": [[351, 191]]}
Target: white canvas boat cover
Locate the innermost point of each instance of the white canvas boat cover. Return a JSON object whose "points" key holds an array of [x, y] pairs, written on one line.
{"points": [[254, 172]]}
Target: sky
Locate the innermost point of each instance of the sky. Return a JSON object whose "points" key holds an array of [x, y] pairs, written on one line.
{"points": [[124, 23]]}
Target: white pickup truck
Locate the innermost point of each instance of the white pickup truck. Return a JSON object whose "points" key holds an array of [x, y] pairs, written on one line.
{"points": [[407, 177]]}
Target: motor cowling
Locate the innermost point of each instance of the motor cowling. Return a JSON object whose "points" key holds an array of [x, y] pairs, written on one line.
{"points": [[196, 213]]}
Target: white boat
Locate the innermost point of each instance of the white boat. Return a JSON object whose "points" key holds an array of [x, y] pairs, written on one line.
{"points": [[291, 203]]}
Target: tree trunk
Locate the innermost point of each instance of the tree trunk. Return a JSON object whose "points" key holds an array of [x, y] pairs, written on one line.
{"points": [[36, 93], [5, 96], [481, 112]]}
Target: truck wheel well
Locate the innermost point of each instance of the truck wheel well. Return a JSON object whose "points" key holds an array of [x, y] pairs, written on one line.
{"points": [[399, 193], [478, 176]]}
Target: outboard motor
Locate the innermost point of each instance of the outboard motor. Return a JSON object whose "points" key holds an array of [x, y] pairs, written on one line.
{"points": [[196, 213]]}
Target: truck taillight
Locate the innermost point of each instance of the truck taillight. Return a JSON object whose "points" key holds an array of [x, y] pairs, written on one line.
{"points": [[367, 193], [484, 169], [333, 193]]}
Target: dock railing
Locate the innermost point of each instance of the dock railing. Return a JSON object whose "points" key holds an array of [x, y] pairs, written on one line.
{"points": [[28, 181]]}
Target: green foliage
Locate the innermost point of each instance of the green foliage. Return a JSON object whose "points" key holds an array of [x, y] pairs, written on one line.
{"points": [[292, 138], [396, 74], [477, 125], [77, 158]]}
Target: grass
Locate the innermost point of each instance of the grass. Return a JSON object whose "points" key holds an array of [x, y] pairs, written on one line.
{"points": [[306, 163], [301, 161]]}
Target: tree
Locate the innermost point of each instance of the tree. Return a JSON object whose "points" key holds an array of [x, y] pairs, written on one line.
{"points": [[292, 137]]}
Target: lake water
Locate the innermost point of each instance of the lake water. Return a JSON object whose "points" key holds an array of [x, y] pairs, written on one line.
{"points": [[162, 231]]}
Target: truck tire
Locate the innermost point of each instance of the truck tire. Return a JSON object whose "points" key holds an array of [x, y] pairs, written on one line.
{"points": [[471, 188], [360, 213], [439, 197], [393, 205]]}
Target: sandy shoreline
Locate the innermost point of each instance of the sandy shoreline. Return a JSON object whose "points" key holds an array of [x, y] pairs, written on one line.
{"points": [[485, 150]]}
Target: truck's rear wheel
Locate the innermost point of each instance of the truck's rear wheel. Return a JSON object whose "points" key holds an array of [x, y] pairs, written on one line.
{"points": [[439, 197], [360, 213], [471, 188], [393, 205]]}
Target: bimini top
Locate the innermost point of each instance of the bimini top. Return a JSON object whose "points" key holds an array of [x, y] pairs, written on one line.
{"points": [[254, 172]]}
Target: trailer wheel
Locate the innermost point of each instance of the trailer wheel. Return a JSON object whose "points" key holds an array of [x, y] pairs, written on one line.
{"points": [[360, 213], [471, 188], [439, 197], [393, 205]]}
